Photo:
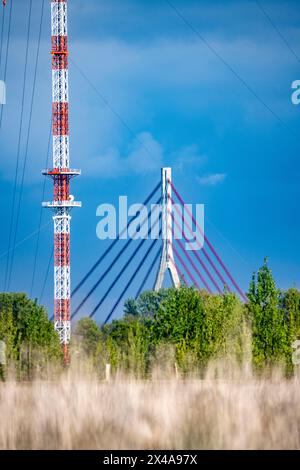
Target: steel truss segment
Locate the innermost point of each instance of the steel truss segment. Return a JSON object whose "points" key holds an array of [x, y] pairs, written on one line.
{"points": [[59, 25], [60, 87], [61, 154], [62, 223], [62, 282], [63, 329], [62, 249], [60, 118]]}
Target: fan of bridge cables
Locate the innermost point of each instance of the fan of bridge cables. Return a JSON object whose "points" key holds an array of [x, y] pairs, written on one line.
{"points": [[203, 267]]}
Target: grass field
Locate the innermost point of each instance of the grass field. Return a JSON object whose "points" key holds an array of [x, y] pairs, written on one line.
{"points": [[83, 413]]}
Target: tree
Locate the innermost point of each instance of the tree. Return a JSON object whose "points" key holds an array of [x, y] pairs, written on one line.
{"points": [[269, 329], [290, 309], [146, 305], [198, 324], [290, 306], [89, 333], [25, 328], [128, 344]]}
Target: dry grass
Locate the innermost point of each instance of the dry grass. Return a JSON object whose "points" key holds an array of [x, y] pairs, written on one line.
{"points": [[83, 413]]}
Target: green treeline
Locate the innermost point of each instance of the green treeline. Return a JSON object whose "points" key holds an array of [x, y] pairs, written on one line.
{"points": [[27, 335], [191, 328], [182, 326]]}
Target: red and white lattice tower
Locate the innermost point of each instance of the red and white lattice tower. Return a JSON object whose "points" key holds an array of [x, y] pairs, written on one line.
{"points": [[61, 174]]}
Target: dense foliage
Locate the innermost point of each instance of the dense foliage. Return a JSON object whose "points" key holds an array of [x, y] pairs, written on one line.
{"points": [[29, 337], [189, 328], [275, 317], [181, 326]]}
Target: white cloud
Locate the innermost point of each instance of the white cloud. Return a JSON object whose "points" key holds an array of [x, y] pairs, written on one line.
{"points": [[145, 156], [211, 180], [188, 157]]}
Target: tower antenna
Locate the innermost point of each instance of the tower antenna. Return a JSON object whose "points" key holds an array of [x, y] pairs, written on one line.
{"points": [[61, 174]]}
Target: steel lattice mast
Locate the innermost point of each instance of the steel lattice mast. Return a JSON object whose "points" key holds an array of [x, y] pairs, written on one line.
{"points": [[61, 174]]}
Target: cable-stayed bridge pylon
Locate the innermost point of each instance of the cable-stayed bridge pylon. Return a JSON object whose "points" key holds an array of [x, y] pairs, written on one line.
{"points": [[203, 268]]}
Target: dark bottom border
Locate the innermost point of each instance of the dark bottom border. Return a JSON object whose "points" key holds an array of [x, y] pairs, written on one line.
{"points": [[135, 459]]}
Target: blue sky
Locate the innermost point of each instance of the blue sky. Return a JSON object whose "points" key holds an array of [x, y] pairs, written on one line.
{"points": [[175, 97]]}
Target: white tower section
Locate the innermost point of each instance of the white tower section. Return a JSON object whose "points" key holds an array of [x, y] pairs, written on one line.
{"points": [[167, 261]]}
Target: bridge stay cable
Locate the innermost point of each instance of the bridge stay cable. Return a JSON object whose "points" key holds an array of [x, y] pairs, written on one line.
{"points": [[194, 266], [102, 277], [122, 271], [108, 250], [198, 258], [112, 264], [224, 283], [131, 280], [156, 258], [234, 283], [182, 262]]}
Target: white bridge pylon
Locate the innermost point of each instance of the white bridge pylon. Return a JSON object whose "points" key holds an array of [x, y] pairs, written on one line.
{"points": [[167, 261]]}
